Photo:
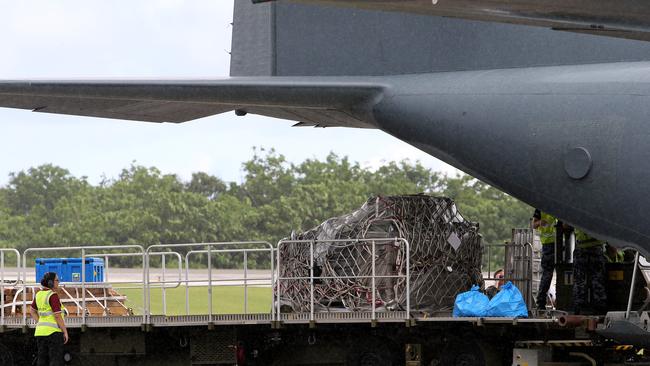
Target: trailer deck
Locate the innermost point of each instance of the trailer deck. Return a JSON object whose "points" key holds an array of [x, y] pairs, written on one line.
{"points": [[160, 276], [11, 322], [377, 332]]}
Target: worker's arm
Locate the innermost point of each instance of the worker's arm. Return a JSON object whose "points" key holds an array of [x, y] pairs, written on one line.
{"points": [[33, 313], [61, 323]]}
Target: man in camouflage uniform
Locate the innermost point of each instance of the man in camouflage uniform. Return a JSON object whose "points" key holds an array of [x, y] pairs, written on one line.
{"points": [[545, 224], [589, 262]]}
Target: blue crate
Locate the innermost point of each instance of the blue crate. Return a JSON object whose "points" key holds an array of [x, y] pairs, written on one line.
{"points": [[44, 265], [69, 269], [94, 270]]}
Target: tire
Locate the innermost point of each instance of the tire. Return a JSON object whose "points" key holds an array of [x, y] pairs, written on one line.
{"points": [[454, 352], [371, 354]]}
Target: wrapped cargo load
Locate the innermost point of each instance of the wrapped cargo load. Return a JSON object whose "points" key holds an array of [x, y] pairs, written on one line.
{"points": [[445, 257]]}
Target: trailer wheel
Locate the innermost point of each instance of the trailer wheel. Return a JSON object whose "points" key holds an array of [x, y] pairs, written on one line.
{"points": [[368, 358], [465, 359], [371, 354], [454, 352]]}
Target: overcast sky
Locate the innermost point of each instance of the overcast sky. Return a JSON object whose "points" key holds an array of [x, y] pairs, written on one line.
{"points": [[148, 39]]}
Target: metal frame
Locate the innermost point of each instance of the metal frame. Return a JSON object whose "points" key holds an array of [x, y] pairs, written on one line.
{"points": [[163, 255], [373, 276], [523, 255], [245, 268], [2, 279], [631, 295], [209, 251], [83, 271]]}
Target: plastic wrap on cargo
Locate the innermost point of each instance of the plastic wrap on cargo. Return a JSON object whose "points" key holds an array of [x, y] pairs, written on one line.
{"points": [[445, 257]]}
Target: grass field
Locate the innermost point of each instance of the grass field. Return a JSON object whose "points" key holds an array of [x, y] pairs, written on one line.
{"points": [[225, 300]]}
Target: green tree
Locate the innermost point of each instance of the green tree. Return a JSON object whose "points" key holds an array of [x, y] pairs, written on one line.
{"points": [[40, 188], [206, 185], [46, 205]]}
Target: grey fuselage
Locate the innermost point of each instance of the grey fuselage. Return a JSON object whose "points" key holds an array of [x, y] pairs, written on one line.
{"points": [[570, 140]]}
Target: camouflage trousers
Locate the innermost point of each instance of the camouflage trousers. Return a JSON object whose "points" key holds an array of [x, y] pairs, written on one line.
{"points": [[589, 263], [548, 266]]}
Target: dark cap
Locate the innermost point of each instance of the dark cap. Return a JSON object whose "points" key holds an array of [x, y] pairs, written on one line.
{"points": [[537, 214]]}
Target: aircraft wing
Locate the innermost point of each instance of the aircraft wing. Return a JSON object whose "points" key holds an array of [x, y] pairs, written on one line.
{"points": [[321, 103]]}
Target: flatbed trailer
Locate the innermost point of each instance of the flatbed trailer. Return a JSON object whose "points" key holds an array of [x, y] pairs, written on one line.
{"points": [[375, 336]]}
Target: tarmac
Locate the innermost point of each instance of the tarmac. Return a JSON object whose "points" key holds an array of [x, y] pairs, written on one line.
{"points": [[172, 276]]}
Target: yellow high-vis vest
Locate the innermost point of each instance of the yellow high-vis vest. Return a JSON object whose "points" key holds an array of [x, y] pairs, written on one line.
{"points": [[584, 240], [547, 231], [619, 258], [46, 321]]}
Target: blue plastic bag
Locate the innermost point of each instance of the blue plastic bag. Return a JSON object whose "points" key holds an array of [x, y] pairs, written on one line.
{"points": [[508, 302], [471, 303]]}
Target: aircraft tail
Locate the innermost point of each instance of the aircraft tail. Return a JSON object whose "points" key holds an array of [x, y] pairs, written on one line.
{"points": [[289, 39]]}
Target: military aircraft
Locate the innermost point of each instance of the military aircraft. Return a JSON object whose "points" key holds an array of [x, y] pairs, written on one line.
{"points": [[546, 109]]}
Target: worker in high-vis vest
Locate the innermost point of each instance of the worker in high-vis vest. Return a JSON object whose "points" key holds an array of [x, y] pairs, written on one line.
{"points": [[545, 225], [51, 333], [613, 254], [589, 262]]}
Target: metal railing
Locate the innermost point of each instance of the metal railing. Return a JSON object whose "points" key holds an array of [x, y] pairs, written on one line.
{"points": [[2, 279], [82, 250], [163, 286], [245, 249], [345, 242], [245, 279], [162, 254], [209, 249], [517, 267]]}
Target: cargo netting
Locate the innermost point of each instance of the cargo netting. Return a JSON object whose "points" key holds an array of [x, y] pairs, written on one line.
{"points": [[445, 257]]}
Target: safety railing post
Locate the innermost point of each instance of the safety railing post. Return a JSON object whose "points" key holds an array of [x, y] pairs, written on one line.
{"points": [[25, 287], [210, 283], [489, 261], [311, 280], [278, 283], [146, 295], [164, 291], [631, 296], [3, 260], [2, 288], [530, 272], [245, 282], [272, 274], [83, 286], [106, 269], [187, 284], [373, 280], [408, 278]]}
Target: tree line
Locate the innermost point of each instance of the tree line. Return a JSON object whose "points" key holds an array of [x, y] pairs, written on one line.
{"points": [[48, 206]]}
